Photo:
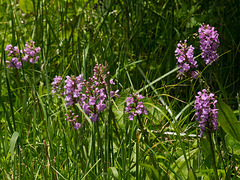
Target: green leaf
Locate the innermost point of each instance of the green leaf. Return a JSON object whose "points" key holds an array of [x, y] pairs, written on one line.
{"points": [[180, 166], [233, 144], [205, 149], [26, 6], [228, 120], [191, 174], [205, 146], [13, 142], [113, 171], [151, 169]]}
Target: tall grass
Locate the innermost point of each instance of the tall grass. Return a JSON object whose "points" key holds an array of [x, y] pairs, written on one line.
{"points": [[137, 40]]}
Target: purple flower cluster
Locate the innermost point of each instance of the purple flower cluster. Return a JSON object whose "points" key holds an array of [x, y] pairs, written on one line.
{"points": [[209, 43], [31, 52], [55, 84], [134, 106], [91, 95], [206, 112], [14, 53], [71, 117], [73, 89], [95, 95], [184, 55]]}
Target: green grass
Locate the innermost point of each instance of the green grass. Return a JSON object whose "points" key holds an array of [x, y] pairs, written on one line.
{"points": [[137, 40]]}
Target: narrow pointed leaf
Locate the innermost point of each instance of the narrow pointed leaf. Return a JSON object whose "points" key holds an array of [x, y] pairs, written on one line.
{"points": [[13, 142], [228, 120]]}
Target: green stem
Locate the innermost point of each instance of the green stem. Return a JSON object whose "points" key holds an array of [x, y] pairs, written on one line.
{"points": [[146, 141], [93, 147], [142, 129], [213, 155], [101, 148], [137, 155]]}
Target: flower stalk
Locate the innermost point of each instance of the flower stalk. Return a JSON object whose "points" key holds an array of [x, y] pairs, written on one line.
{"points": [[213, 155]]}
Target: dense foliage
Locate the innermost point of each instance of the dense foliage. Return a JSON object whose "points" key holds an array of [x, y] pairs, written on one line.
{"points": [[119, 89]]}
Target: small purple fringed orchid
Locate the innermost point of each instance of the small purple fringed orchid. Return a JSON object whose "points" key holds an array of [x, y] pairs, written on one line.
{"points": [[71, 117], [206, 111], [55, 84], [185, 56], [92, 94], [209, 43], [31, 54], [134, 106], [14, 53]]}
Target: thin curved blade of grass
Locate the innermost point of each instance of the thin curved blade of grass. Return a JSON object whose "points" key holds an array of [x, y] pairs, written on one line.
{"points": [[158, 109], [85, 54], [238, 111], [125, 66], [158, 141], [177, 132], [155, 81], [129, 78], [88, 119], [222, 89], [58, 172], [186, 107], [36, 176], [91, 169], [11, 127], [181, 166]]}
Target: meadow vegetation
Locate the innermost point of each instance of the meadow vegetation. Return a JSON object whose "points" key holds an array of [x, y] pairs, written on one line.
{"points": [[119, 89]]}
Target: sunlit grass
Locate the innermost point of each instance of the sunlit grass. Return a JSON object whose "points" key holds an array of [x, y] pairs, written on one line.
{"points": [[137, 40]]}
